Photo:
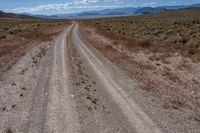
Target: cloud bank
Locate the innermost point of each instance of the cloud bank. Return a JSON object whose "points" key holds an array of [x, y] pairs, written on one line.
{"points": [[75, 6], [78, 6]]}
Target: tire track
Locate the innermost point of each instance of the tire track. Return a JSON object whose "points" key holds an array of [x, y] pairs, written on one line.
{"points": [[62, 116], [138, 119]]}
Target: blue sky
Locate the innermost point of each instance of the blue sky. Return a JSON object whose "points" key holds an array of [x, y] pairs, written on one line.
{"points": [[70, 6]]}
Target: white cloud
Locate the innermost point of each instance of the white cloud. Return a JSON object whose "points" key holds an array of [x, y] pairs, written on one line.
{"points": [[87, 1], [61, 7], [41, 8], [74, 6], [95, 1], [77, 2], [153, 3]]}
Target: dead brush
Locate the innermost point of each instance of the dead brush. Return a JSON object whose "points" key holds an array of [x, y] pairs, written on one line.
{"points": [[159, 57], [174, 104], [109, 47], [34, 59], [192, 52], [179, 28], [8, 130], [145, 43], [184, 64], [40, 54], [3, 36]]}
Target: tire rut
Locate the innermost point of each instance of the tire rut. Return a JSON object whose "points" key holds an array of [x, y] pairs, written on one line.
{"points": [[38, 110], [115, 83], [97, 112]]}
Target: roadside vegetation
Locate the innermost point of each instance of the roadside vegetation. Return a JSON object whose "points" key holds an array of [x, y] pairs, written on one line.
{"points": [[17, 35], [16, 26], [161, 51], [179, 29]]}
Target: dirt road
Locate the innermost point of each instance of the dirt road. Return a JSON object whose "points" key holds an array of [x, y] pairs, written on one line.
{"points": [[66, 86]]}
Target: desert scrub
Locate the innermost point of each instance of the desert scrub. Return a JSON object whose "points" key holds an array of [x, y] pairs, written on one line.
{"points": [[2, 35], [170, 31], [16, 26], [178, 27]]}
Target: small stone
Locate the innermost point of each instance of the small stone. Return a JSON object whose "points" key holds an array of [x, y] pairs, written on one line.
{"points": [[4, 109], [23, 88], [195, 79], [13, 83], [13, 106]]}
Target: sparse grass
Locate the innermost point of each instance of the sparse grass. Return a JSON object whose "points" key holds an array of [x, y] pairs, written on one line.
{"points": [[17, 36], [157, 56], [178, 30], [26, 29], [180, 27], [16, 26]]}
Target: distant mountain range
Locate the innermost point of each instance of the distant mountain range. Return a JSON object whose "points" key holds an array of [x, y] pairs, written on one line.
{"points": [[127, 11], [90, 14], [149, 10], [13, 15]]}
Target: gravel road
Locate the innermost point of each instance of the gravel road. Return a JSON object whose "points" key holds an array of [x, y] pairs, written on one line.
{"points": [[65, 86]]}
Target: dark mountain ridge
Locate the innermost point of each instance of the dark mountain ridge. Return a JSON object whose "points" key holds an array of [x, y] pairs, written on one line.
{"points": [[149, 10], [13, 15]]}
